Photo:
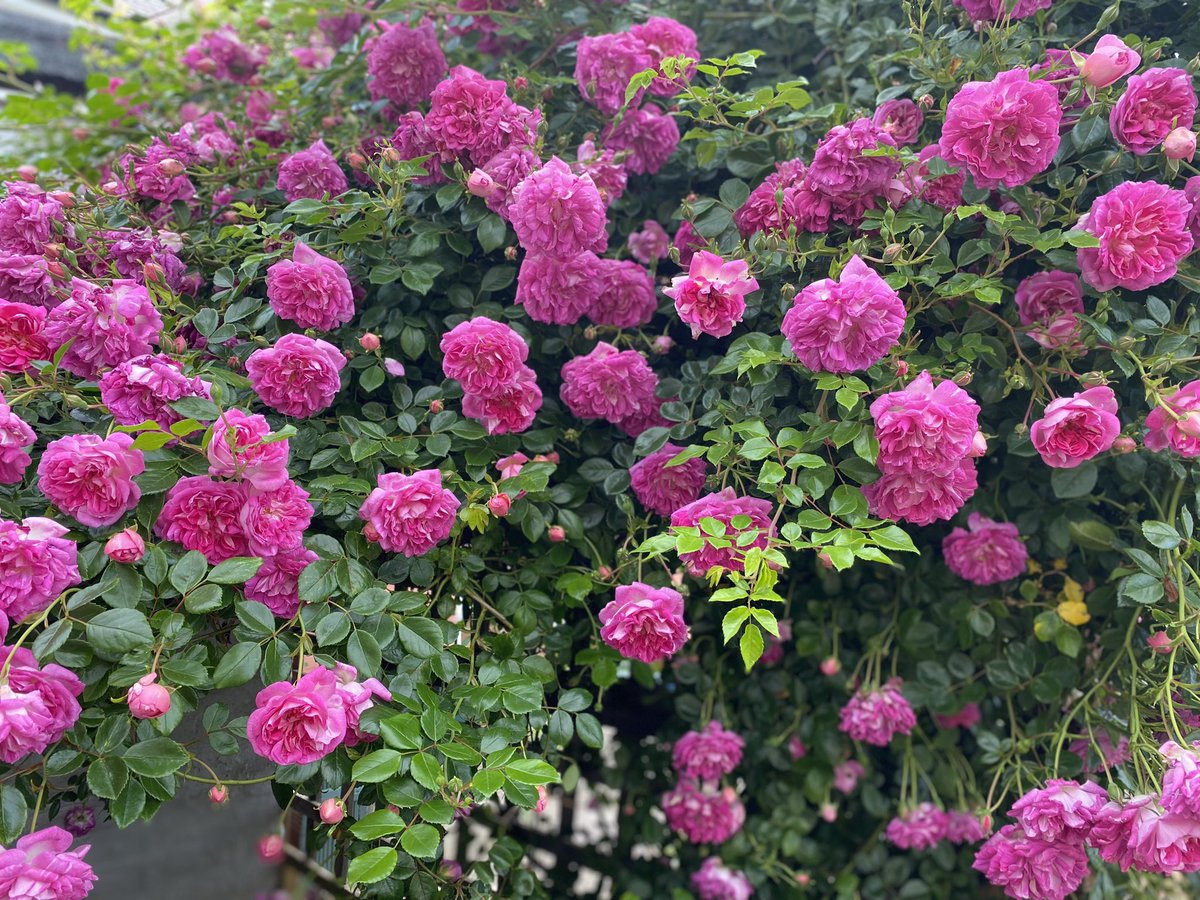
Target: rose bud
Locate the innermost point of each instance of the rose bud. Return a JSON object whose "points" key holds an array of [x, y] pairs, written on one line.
{"points": [[500, 505], [332, 811], [605, 572], [356, 160], [962, 379], [1109, 62], [510, 253], [543, 797], [270, 849], [66, 198], [450, 869], [830, 666], [218, 794], [803, 879], [825, 559], [79, 820], [389, 154], [369, 342], [1159, 642], [125, 546], [556, 533], [263, 22], [481, 184], [370, 533], [663, 344], [148, 700], [436, 406], [829, 812], [331, 121], [901, 367], [978, 445], [170, 167], [1124, 444], [1180, 144], [27, 173], [520, 82]]}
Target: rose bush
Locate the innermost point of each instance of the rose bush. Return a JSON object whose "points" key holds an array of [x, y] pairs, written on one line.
{"points": [[793, 446]]}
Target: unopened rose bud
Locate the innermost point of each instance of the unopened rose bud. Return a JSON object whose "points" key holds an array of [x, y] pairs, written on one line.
{"points": [[229, 217], [64, 198], [263, 22], [510, 253], [520, 82], [331, 121], [547, 94], [389, 154], [663, 344], [830, 666], [543, 798], [825, 559], [901, 367], [55, 268], [349, 354], [962, 379], [605, 572], [1108, 63], [170, 167], [218, 794], [27, 173], [1159, 642], [148, 700], [891, 251], [556, 533], [270, 849], [803, 879], [356, 160], [1180, 144], [829, 812], [590, 333], [154, 273], [179, 344], [369, 342], [500, 505], [234, 363], [52, 250], [1124, 444], [436, 406], [332, 811], [370, 533], [978, 445], [481, 184], [80, 133], [125, 546], [79, 820]]}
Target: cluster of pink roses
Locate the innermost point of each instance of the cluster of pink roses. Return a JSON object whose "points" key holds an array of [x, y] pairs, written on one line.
{"points": [[488, 359], [925, 825], [644, 622], [875, 716], [617, 386], [724, 506], [38, 704], [698, 806], [715, 881]]}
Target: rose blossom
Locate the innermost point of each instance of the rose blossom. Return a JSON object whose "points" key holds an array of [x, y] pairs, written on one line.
{"points": [[1004, 131], [510, 411], [839, 168], [711, 297], [21, 338], [687, 241], [16, 437], [664, 37], [724, 506], [275, 520], [1180, 144], [311, 174], [412, 140], [604, 64], [607, 383], [357, 699], [276, 584], [921, 498], [707, 755], [647, 136], [1138, 833], [663, 489], [1044, 295], [25, 278], [844, 325], [923, 428], [1074, 429], [28, 216], [36, 565], [1061, 811], [1111, 61], [125, 546], [943, 191], [1142, 227], [204, 515], [222, 53], [472, 118], [918, 828], [703, 816], [556, 212], [79, 819], [1152, 105], [298, 376], [649, 243], [901, 118], [301, 723], [108, 325], [846, 775], [1029, 867], [875, 716], [38, 705], [610, 177], [994, 10], [483, 355], [1181, 781], [626, 298], [239, 449], [507, 169], [967, 717], [42, 865], [558, 291], [644, 623], [148, 700], [766, 208], [966, 827], [410, 514], [1110, 756], [987, 552], [91, 478], [142, 389], [405, 64], [1179, 432], [714, 881], [310, 289]]}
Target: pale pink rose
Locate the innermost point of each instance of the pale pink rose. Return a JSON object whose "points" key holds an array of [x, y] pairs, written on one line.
{"points": [[21, 339], [106, 325], [607, 383], [1175, 425], [1030, 868], [483, 355], [310, 289], [1143, 231], [510, 411], [1062, 810], [142, 389], [125, 546], [644, 623], [925, 428], [707, 755], [921, 498], [1139, 833], [36, 565], [627, 298], [91, 478], [663, 489], [875, 716], [205, 515], [410, 514], [1180, 144], [844, 325], [724, 506], [558, 213], [1153, 105], [987, 552], [298, 376], [711, 297], [918, 828], [148, 700], [1074, 429], [1004, 131], [239, 448], [301, 723], [275, 520], [16, 437], [846, 775], [649, 243], [311, 174], [43, 867], [703, 816], [1111, 61]]}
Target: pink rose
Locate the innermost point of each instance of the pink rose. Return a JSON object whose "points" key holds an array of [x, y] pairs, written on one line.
{"points": [[1111, 61], [703, 815], [665, 37], [844, 325], [38, 706], [876, 716], [687, 241], [1180, 144], [472, 118], [1140, 833], [27, 218], [483, 355], [607, 383], [724, 506], [1003, 131], [276, 584], [16, 437], [1074, 429], [298, 376], [142, 389], [918, 828], [410, 514], [106, 325], [707, 755], [711, 297], [604, 65], [507, 169], [646, 136], [644, 623], [510, 411], [310, 289], [239, 448], [988, 553], [663, 489], [943, 191], [301, 723], [902, 119], [922, 497], [148, 700], [558, 213], [997, 10], [125, 546], [21, 338], [924, 428], [1175, 425], [205, 515], [766, 208], [42, 865], [1044, 295], [311, 174], [715, 881], [405, 64], [36, 565], [275, 520], [357, 699], [649, 243], [91, 478], [558, 291], [1142, 227], [1062, 810], [1028, 866], [627, 298], [1152, 106]]}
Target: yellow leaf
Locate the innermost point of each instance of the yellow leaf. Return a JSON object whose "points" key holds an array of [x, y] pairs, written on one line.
{"points": [[1074, 612]]}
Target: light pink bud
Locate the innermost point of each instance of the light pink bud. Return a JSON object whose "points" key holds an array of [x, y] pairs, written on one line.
{"points": [[557, 533], [510, 253], [154, 273], [1159, 642], [829, 812], [389, 154], [520, 82], [332, 811], [605, 572], [55, 268], [270, 849], [218, 794], [263, 22], [830, 666], [356, 160], [369, 342], [370, 533], [978, 445], [552, 457], [27, 173], [1109, 62], [825, 559], [901, 368], [148, 700], [331, 121], [436, 406], [125, 546], [170, 167], [66, 198], [543, 798], [663, 344], [481, 184], [500, 505], [1180, 144], [803, 879], [1124, 444], [80, 133], [179, 344]]}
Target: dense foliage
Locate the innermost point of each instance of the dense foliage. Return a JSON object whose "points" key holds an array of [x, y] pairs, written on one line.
{"points": [[812, 490]]}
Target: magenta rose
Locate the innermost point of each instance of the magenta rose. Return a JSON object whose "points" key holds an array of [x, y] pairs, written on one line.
{"points": [[43, 865], [293, 725], [405, 64], [275, 520], [665, 37], [16, 437], [919, 828], [1028, 866], [91, 478], [1143, 231], [1074, 429], [205, 515], [724, 506], [707, 755], [1153, 104], [106, 325], [662, 488], [604, 65], [646, 136], [483, 355], [766, 208], [472, 118], [298, 376], [711, 297], [1111, 61], [558, 213], [36, 565], [142, 389], [925, 428], [38, 706], [996, 10], [512, 410], [986, 552], [239, 448], [276, 584], [876, 716], [311, 174], [921, 497], [839, 167], [21, 338], [644, 623], [607, 383], [1043, 296], [627, 298], [1175, 424], [703, 815], [410, 514], [558, 291], [310, 289], [901, 118], [357, 698], [649, 243]]}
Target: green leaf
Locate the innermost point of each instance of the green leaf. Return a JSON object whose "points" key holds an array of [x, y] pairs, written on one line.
{"points": [[531, 771], [106, 777], [237, 570], [487, 781], [589, 730], [333, 628], [733, 621], [115, 632], [401, 731], [421, 841], [1161, 535], [374, 865], [491, 233], [1141, 589], [238, 665], [205, 599], [189, 571], [156, 757], [751, 645], [427, 771], [420, 636], [379, 765], [256, 617], [1077, 482], [376, 825], [13, 811], [362, 652], [460, 753], [129, 804]]}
